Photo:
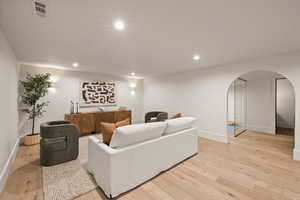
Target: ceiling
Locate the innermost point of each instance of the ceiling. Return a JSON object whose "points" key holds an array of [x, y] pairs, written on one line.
{"points": [[161, 36]]}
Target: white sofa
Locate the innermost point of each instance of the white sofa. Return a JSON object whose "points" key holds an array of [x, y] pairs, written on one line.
{"points": [[123, 167]]}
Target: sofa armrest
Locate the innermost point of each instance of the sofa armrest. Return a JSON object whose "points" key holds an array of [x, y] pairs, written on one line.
{"points": [[99, 163]]}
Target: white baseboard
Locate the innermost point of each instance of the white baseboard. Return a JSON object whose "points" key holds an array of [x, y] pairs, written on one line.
{"points": [[213, 136], [297, 154], [269, 130], [5, 172]]}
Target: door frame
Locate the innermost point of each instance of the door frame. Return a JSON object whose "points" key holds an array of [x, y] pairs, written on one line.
{"points": [[276, 83], [236, 135], [276, 89]]}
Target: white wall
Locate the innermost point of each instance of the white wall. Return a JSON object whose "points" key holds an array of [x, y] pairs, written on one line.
{"points": [[261, 101], [285, 104], [8, 107], [66, 88], [203, 93]]}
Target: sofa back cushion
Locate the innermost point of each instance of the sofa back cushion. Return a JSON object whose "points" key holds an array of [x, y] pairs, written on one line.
{"points": [[108, 129], [137, 133], [179, 124]]}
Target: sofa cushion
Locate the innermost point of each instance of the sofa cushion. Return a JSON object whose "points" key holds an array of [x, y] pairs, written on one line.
{"points": [[179, 124], [178, 115], [123, 123], [128, 135], [109, 128]]}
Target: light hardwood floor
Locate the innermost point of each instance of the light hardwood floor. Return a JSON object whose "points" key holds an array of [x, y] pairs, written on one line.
{"points": [[254, 166]]}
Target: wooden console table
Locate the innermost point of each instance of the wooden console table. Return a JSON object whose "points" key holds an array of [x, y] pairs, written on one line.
{"points": [[90, 122]]}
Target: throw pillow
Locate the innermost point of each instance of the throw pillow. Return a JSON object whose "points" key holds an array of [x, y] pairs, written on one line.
{"points": [[109, 128], [107, 131], [123, 123], [178, 115]]}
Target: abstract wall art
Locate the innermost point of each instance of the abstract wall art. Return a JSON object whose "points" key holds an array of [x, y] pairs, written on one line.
{"points": [[97, 93]]}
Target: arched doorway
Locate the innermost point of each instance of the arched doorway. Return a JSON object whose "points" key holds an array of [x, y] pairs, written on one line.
{"points": [[261, 102]]}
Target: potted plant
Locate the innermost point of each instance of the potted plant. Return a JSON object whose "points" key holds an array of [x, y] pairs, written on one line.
{"points": [[34, 88]]}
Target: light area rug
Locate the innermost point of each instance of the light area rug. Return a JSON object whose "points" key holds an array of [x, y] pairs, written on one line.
{"points": [[68, 180]]}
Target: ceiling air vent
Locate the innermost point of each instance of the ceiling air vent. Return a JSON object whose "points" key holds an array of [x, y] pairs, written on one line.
{"points": [[40, 7]]}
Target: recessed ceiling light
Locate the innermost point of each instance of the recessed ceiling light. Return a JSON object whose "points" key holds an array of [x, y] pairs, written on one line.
{"points": [[75, 64], [196, 57], [119, 25], [132, 74]]}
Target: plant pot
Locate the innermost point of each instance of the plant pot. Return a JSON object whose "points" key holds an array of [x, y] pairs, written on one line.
{"points": [[31, 139]]}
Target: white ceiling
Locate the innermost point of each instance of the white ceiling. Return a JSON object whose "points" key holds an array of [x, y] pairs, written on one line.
{"points": [[161, 36]]}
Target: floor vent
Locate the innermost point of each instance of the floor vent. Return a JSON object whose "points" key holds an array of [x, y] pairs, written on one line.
{"points": [[40, 7]]}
